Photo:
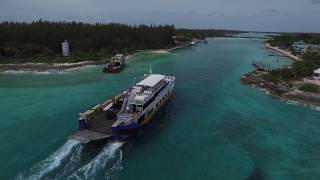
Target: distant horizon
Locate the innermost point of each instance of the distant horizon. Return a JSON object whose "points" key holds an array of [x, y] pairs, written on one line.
{"points": [[177, 27]]}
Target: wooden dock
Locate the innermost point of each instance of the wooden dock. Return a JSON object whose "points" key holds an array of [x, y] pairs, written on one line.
{"points": [[262, 66], [267, 66]]}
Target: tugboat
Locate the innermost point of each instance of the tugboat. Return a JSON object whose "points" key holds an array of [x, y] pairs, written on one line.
{"points": [[122, 116], [116, 65]]}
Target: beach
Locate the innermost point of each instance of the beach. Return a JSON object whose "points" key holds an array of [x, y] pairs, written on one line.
{"points": [[284, 52], [42, 67]]}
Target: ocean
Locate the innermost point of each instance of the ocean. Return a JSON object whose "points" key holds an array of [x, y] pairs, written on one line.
{"points": [[213, 127]]}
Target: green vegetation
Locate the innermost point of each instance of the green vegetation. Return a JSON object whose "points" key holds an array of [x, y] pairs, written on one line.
{"points": [[284, 41], [310, 62], [41, 41], [279, 75], [310, 88], [57, 58]]}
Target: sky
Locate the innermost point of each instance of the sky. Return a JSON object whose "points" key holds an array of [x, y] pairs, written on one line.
{"points": [[253, 15]]}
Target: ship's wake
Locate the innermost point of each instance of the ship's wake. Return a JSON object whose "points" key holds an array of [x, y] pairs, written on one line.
{"points": [[98, 164], [52, 162], [67, 163]]}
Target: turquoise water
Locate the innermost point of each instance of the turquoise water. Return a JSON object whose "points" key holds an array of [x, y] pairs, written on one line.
{"points": [[213, 128]]}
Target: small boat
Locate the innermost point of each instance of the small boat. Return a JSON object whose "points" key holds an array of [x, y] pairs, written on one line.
{"points": [[116, 65], [122, 116], [193, 43]]}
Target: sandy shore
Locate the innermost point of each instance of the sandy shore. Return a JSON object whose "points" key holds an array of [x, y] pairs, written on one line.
{"points": [[284, 52], [42, 67]]}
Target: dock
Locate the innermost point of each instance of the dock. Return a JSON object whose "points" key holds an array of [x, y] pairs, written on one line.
{"points": [[267, 66], [262, 66]]}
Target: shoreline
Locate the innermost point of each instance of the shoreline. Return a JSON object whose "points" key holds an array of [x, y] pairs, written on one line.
{"points": [[284, 52], [43, 67], [281, 90]]}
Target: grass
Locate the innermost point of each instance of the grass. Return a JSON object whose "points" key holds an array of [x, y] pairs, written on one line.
{"points": [[310, 88]]}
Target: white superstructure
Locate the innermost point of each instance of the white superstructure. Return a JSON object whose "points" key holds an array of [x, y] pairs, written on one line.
{"points": [[65, 48], [144, 99], [151, 80]]}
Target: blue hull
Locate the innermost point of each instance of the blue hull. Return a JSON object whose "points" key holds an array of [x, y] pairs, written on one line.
{"points": [[122, 133]]}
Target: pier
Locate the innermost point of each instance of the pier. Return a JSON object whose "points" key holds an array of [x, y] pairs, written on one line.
{"points": [[267, 66], [262, 66]]}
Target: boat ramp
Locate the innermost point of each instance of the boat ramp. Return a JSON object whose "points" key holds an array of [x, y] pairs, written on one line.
{"points": [[99, 120]]}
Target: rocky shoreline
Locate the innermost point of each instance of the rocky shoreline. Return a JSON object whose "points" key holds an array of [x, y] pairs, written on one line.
{"points": [[282, 90]]}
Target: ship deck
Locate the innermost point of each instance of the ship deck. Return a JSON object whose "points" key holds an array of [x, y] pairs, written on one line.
{"points": [[99, 128], [100, 124], [86, 136]]}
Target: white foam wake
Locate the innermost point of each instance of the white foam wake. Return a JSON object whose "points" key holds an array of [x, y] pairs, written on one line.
{"points": [[50, 163], [89, 170], [115, 169]]}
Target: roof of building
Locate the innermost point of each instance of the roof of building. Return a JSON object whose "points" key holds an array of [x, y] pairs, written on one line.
{"points": [[151, 80], [317, 71], [313, 46]]}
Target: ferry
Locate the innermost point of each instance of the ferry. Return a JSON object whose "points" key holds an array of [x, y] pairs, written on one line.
{"points": [[122, 116], [117, 64]]}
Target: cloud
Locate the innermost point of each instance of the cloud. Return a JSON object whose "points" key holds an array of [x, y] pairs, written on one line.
{"points": [[315, 1], [275, 15]]}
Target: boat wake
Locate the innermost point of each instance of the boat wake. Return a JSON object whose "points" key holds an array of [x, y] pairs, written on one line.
{"points": [[115, 169], [52, 162], [65, 163], [99, 163]]}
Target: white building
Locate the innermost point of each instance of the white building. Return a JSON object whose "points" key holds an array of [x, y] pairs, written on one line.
{"points": [[316, 73], [65, 48], [312, 48]]}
